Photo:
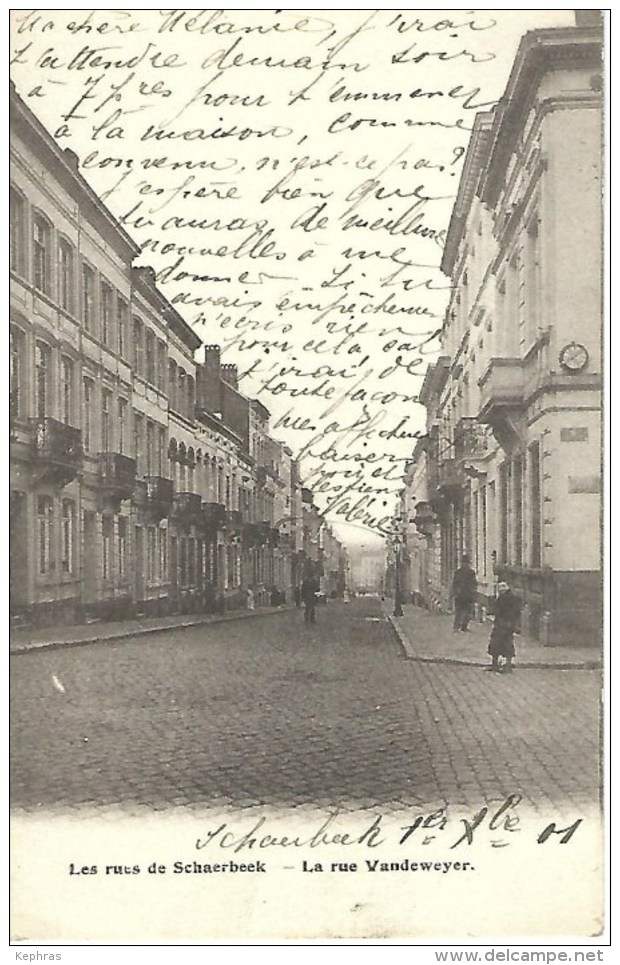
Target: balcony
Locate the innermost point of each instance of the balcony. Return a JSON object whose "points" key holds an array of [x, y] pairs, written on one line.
{"points": [[449, 479], [58, 451], [425, 518], [471, 440], [250, 534], [501, 390], [213, 516], [153, 494], [118, 475], [234, 520], [187, 508]]}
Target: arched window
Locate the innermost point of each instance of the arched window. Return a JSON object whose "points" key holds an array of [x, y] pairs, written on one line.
{"points": [[181, 405]]}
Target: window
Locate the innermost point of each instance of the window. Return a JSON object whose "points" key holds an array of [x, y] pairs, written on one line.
{"points": [[67, 370], [151, 553], [45, 524], [65, 275], [189, 388], [137, 346], [532, 320], [122, 547], [16, 370], [106, 313], [89, 399], [17, 233], [161, 451], [150, 448], [161, 366], [106, 407], [517, 489], [43, 356], [68, 535], [107, 525], [88, 298], [150, 356], [121, 327], [123, 410], [172, 384], [41, 251], [181, 405], [163, 554], [138, 430]]}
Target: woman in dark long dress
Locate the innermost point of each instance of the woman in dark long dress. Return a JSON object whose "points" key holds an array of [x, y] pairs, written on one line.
{"points": [[506, 621]]}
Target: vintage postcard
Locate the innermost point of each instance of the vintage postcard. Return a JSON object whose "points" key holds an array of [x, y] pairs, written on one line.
{"points": [[306, 551]]}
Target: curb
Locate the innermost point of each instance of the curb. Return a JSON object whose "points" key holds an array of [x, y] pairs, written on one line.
{"points": [[144, 631], [410, 654]]}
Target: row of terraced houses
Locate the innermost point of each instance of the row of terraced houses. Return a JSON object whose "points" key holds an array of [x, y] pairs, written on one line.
{"points": [[142, 480], [509, 470]]}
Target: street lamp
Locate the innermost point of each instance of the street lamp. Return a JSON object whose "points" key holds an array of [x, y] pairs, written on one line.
{"points": [[398, 599]]}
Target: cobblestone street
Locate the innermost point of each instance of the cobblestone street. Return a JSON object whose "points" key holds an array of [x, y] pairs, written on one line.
{"points": [[271, 712]]}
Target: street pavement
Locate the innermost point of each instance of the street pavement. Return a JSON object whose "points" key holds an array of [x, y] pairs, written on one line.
{"points": [[429, 637], [270, 712]]}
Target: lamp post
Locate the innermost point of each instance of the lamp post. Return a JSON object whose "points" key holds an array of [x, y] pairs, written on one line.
{"points": [[398, 601]]}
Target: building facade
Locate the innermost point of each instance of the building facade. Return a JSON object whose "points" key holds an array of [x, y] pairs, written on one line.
{"points": [[142, 480], [513, 443]]}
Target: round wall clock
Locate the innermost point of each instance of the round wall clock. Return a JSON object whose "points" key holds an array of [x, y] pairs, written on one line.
{"points": [[574, 357]]}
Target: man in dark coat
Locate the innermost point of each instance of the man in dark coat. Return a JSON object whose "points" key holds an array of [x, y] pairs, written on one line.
{"points": [[506, 622], [308, 595], [464, 589]]}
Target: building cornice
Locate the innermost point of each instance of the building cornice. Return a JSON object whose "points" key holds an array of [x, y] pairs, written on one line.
{"points": [[540, 52]]}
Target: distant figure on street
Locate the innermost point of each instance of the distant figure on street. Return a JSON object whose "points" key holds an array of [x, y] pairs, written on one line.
{"points": [[308, 596], [464, 589], [297, 596], [250, 598], [501, 644]]}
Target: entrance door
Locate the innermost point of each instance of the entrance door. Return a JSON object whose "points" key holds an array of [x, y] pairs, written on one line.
{"points": [[18, 553], [90, 556], [139, 558]]}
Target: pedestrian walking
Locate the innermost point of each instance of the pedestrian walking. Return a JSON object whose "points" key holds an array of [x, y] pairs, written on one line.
{"points": [[505, 623], [464, 589], [297, 596], [308, 596]]}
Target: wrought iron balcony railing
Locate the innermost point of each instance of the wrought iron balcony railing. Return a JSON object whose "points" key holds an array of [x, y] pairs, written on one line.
{"points": [[58, 450], [118, 474]]}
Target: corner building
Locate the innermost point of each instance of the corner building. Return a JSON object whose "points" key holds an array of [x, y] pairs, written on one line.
{"points": [[142, 480], [514, 404]]}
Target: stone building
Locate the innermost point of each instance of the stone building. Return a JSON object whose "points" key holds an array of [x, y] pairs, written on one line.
{"points": [[142, 480], [513, 446]]}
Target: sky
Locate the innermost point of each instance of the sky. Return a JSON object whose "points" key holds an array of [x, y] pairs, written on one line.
{"points": [[290, 176]]}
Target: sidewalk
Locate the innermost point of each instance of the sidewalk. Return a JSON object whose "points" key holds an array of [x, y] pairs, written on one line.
{"points": [[429, 637], [41, 638]]}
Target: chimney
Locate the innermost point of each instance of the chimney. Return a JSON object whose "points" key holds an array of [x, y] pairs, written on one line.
{"points": [[208, 378], [588, 18], [229, 375]]}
